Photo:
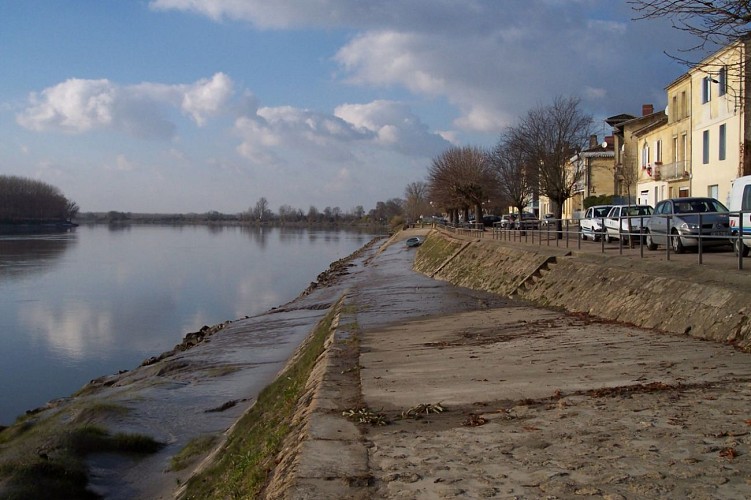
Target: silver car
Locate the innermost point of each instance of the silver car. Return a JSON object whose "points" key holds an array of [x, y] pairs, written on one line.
{"points": [[682, 221]]}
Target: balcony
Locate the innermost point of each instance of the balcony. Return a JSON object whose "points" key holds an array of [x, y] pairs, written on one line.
{"points": [[675, 171]]}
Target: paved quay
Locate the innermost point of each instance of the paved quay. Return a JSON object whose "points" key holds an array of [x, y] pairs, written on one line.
{"points": [[490, 397]]}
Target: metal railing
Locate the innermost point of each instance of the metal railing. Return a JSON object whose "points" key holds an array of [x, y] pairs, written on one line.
{"points": [[630, 233]]}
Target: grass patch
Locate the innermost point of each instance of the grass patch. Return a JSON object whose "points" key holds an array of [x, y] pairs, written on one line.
{"points": [[241, 470], [433, 252], [42, 455], [196, 447]]}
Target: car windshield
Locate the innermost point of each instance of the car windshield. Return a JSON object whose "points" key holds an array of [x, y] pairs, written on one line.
{"points": [[601, 212], [639, 210], [699, 206]]}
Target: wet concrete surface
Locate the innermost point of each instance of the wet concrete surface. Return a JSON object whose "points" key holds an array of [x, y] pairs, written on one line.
{"points": [[201, 391], [536, 403], [427, 341]]}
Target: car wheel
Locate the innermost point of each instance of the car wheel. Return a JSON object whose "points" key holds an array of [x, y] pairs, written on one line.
{"points": [[584, 236], [740, 247], [607, 237], [675, 243], [651, 245]]}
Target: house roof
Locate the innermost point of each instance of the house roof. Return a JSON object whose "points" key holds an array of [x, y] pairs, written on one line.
{"points": [[657, 122], [618, 119]]}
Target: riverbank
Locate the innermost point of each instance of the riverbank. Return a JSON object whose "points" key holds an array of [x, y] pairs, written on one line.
{"points": [[506, 399], [183, 400], [484, 393]]}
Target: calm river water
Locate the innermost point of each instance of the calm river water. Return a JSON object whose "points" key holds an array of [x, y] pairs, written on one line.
{"points": [[101, 299]]}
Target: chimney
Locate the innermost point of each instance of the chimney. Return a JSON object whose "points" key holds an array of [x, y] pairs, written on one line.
{"points": [[647, 109], [592, 141]]}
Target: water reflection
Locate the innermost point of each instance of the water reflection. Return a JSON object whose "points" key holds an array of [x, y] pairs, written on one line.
{"points": [[88, 304], [76, 332], [23, 255]]}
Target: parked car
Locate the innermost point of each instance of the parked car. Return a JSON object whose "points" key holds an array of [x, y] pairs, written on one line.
{"points": [[677, 220], [591, 225], [626, 220], [740, 201], [527, 220], [507, 221], [548, 220], [489, 220], [414, 242]]}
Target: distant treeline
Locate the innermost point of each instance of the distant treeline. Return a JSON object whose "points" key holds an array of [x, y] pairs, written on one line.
{"points": [[389, 212], [28, 201]]}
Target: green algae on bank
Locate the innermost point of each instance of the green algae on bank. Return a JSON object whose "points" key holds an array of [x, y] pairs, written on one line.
{"points": [[45, 457]]}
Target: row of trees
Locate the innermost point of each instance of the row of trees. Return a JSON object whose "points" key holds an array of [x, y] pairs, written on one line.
{"points": [[25, 200], [383, 212], [529, 160]]}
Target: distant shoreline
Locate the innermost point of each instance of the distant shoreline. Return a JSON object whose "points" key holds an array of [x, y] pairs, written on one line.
{"points": [[37, 227]]}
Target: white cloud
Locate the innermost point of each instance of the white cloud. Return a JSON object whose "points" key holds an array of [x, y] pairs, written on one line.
{"points": [[394, 126], [72, 106], [207, 98], [78, 106]]}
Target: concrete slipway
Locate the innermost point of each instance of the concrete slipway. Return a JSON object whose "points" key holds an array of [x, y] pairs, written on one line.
{"points": [[488, 396]]}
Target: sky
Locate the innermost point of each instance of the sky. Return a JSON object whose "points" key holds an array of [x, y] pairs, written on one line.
{"points": [[178, 106]]}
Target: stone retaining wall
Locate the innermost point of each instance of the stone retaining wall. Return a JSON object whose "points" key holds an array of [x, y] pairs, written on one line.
{"points": [[704, 303]]}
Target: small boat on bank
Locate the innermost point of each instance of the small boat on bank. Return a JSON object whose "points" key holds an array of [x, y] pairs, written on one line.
{"points": [[414, 242]]}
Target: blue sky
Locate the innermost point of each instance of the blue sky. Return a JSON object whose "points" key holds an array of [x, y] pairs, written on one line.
{"points": [[198, 105]]}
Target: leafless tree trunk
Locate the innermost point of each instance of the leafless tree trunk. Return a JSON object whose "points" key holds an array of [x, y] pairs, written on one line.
{"points": [[416, 201], [548, 138], [462, 179], [514, 174]]}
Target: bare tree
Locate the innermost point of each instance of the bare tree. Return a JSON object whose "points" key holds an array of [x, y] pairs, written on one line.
{"points": [[416, 201], [261, 211], [515, 184], [712, 21], [462, 178], [548, 137]]}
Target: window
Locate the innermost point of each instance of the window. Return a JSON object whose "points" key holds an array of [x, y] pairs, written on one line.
{"points": [[674, 111], [645, 154], [746, 200], [721, 140], [684, 107], [675, 150], [705, 151], [683, 192], [706, 89], [713, 191], [722, 80], [684, 150], [658, 150]]}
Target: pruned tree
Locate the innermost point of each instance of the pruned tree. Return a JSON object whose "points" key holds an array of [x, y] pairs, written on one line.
{"points": [[548, 137], [462, 179], [515, 177], [711, 21]]}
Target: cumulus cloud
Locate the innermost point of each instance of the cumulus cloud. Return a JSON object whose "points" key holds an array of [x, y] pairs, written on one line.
{"points": [[74, 106], [392, 125], [492, 60], [142, 110], [274, 133], [431, 14]]}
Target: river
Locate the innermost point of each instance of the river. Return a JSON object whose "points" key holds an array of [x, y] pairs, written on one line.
{"points": [[78, 305]]}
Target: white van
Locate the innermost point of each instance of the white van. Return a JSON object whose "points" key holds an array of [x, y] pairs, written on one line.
{"points": [[740, 200]]}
